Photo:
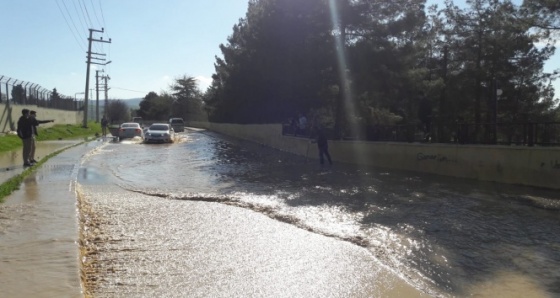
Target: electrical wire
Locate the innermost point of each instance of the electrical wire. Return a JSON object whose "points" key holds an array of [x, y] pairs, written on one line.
{"points": [[129, 90], [70, 27]]}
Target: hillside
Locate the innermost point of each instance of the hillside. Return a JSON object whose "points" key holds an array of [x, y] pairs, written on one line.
{"points": [[133, 103]]}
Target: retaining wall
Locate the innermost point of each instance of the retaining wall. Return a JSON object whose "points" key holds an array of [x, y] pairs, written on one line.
{"points": [[532, 166], [10, 115]]}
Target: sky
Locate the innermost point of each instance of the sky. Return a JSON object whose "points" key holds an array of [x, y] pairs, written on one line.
{"points": [[152, 43]]}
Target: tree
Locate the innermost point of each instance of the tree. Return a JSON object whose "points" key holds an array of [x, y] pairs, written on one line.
{"points": [[275, 63], [544, 14], [18, 94], [187, 99], [339, 60], [155, 107], [117, 111], [489, 45], [387, 45], [54, 95]]}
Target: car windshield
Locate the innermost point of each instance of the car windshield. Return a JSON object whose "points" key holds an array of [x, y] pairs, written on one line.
{"points": [[177, 121], [159, 127], [132, 125]]}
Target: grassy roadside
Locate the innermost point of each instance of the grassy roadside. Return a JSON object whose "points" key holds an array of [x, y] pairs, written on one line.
{"points": [[9, 142], [58, 132]]}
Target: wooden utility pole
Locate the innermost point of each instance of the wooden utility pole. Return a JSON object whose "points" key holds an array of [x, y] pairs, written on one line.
{"points": [[89, 57]]}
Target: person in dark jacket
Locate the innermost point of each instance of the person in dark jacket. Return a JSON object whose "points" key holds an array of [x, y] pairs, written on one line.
{"points": [[25, 133], [104, 124], [34, 124], [323, 146]]}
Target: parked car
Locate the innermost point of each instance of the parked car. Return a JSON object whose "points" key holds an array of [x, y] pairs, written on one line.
{"points": [[130, 130], [159, 133], [177, 124]]}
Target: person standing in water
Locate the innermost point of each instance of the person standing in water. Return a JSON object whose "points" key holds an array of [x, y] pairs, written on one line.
{"points": [[323, 146], [25, 133], [34, 123]]}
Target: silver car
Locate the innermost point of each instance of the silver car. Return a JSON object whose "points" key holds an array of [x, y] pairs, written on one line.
{"points": [[159, 133], [130, 130], [177, 124]]}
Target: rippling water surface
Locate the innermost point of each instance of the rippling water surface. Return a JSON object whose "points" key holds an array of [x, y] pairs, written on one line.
{"points": [[446, 236]]}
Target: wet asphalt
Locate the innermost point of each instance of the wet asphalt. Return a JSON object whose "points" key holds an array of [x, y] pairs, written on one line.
{"points": [[39, 254]]}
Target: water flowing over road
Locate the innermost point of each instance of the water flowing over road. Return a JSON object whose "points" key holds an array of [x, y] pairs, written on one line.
{"points": [[220, 217]]}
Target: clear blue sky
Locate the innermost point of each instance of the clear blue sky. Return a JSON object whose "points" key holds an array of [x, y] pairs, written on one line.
{"points": [[152, 42]]}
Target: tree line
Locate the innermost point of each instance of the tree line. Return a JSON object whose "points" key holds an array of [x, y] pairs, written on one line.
{"points": [[360, 63]]}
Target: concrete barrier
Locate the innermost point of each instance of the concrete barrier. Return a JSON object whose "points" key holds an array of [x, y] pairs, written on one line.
{"points": [[10, 115], [531, 166]]}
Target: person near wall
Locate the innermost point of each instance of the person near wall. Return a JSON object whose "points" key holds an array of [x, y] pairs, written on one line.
{"points": [[322, 145], [302, 126], [25, 133], [34, 123]]}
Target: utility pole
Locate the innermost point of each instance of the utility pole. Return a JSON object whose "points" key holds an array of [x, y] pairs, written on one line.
{"points": [[89, 57], [106, 85], [1, 88], [97, 96]]}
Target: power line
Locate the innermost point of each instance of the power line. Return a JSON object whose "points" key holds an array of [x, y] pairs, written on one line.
{"points": [[79, 15], [130, 90], [95, 13], [87, 13], [69, 27], [101, 10]]}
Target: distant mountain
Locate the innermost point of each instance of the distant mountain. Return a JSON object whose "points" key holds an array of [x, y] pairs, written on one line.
{"points": [[133, 103]]}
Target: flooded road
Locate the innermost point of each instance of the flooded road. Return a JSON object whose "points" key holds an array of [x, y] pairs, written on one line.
{"points": [[211, 216], [446, 237]]}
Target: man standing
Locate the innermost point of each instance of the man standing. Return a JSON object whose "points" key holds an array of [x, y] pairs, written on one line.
{"points": [[104, 124], [25, 133], [34, 123], [322, 146]]}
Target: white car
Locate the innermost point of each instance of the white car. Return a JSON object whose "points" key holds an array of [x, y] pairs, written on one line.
{"points": [[159, 133], [130, 130]]}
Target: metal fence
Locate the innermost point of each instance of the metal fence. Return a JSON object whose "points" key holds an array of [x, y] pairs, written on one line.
{"points": [[34, 94], [522, 134]]}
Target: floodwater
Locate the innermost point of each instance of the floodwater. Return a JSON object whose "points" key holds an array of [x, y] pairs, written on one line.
{"points": [[13, 160], [210, 216]]}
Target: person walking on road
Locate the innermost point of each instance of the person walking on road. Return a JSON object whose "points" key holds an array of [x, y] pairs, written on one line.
{"points": [[34, 124], [104, 124], [25, 133]]}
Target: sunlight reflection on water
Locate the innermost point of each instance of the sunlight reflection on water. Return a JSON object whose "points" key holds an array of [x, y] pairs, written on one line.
{"points": [[439, 233]]}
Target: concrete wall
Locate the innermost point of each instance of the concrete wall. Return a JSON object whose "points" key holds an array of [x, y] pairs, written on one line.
{"points": [[532, 166], [10, 115]]}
